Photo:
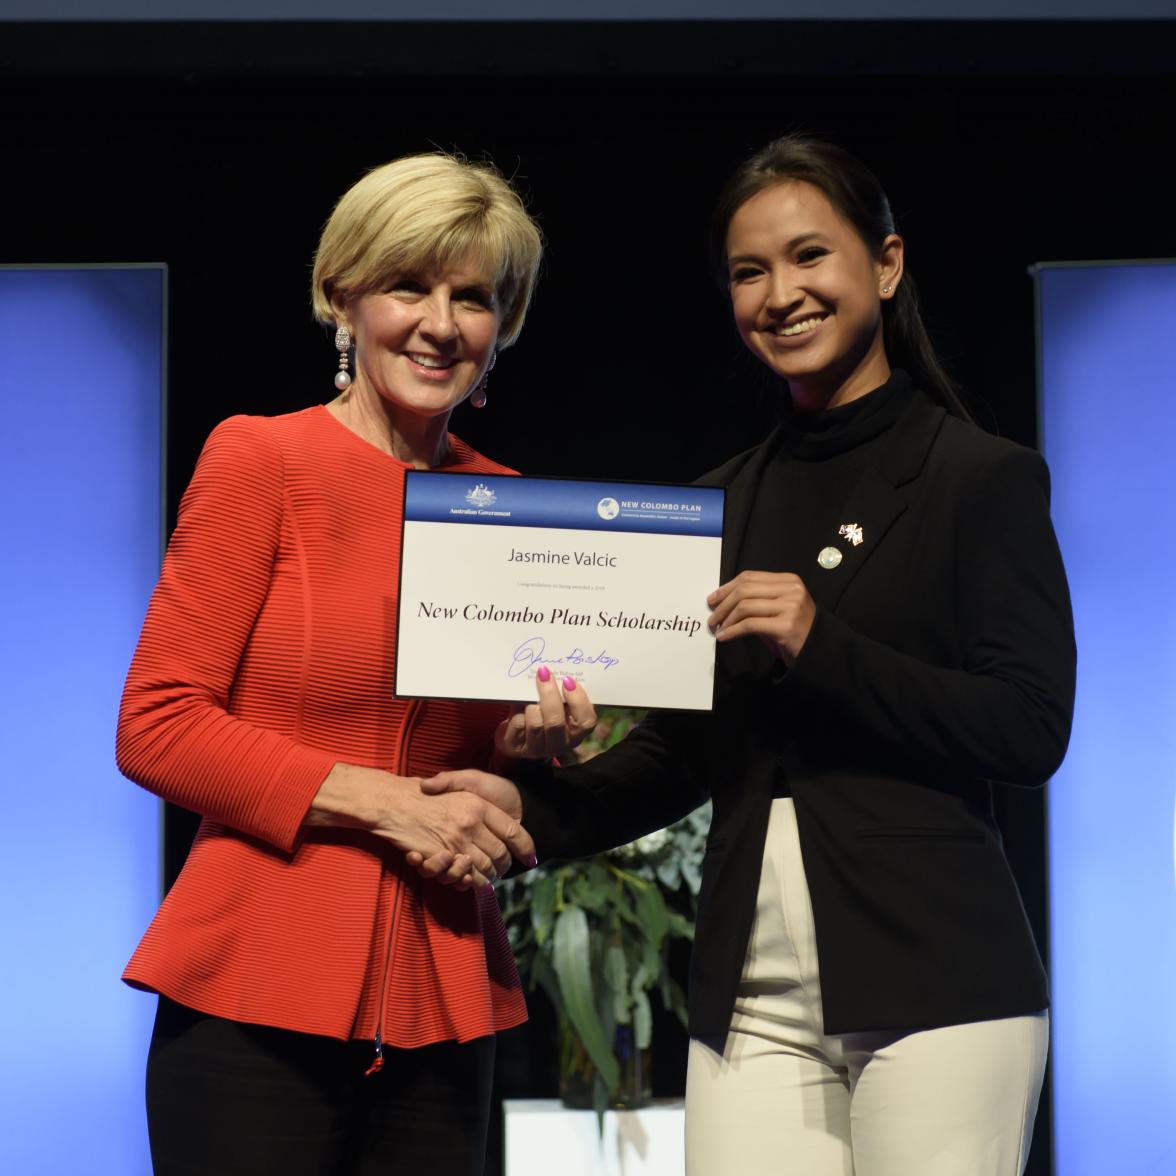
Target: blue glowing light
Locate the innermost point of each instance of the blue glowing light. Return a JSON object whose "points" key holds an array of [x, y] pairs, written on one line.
{"points": [[81, 351], [1108, 398]]}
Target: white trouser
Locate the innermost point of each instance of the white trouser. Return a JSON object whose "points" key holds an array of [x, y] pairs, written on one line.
{"points": [[785, 1099]]}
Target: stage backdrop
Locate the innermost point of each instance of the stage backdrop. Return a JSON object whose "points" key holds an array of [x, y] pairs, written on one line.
{"points": [[81, 357], [1107, 337]]}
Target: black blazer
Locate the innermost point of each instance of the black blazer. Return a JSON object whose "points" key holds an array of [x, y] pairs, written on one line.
{"points": [[942, 657]]}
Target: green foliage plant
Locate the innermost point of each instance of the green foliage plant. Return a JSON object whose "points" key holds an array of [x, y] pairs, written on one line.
{"points": [[593, 935]]}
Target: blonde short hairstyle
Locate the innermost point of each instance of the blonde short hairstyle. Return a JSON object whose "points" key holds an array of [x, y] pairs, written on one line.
{"points": [[426, 211]]}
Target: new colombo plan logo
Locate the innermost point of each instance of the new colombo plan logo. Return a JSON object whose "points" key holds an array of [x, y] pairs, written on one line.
{"points": [[608, 508]]}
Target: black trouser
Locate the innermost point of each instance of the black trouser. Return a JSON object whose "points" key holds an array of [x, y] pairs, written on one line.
{"points": [[230, 1099]]}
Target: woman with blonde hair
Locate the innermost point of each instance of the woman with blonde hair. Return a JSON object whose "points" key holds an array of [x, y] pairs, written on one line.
{"points": [[323, 1008]]}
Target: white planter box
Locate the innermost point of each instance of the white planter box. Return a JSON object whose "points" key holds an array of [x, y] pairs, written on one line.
{"points": [[542, 1136]]}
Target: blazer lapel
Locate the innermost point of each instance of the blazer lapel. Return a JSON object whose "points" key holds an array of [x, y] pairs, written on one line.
{"points": [[741, 479], [876, 500], [868, 513], [741, 490], [873, 505]]}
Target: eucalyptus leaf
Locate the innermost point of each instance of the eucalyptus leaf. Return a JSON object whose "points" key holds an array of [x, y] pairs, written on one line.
{"points": [[669, 873], [667, 993], [652, 960], [616, 981], [651, 910], [543, 975], [573, 966], [676, 1001], [622, 912], [543, 896], [642, 1020], [601, 1097], [642, 977], [592, 890], [608, 1021]]}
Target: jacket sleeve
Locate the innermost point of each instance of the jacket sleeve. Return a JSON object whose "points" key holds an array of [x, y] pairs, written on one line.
{"points": [[649, 780], [1005, 713], [176, 735]]}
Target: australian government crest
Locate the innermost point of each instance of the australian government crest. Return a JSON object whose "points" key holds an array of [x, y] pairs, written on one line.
{"points": [[481, 496]]}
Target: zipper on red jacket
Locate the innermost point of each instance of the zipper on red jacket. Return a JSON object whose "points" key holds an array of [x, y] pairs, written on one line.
{"points": [[377, 1063]]}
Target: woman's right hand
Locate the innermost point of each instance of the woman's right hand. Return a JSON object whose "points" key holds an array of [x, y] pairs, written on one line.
{"points": [[774, 606], [475, 836], [497, 791]]}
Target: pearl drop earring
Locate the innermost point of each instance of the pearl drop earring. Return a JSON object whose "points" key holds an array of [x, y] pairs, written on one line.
{"points": [[343, 347], [478, 397]]}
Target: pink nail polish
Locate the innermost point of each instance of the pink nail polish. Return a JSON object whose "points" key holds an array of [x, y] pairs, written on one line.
{"points": [[569, 683], [543, 674]]}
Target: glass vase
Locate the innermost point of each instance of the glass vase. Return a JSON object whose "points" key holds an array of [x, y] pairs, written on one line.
{"points": [[577, 1074]]}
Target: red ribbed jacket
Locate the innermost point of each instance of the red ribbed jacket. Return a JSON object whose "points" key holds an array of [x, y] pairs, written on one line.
{"points": [[265, 658]]}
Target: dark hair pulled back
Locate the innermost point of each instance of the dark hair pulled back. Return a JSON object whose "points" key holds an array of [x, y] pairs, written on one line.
{"points": [[858, 198]]}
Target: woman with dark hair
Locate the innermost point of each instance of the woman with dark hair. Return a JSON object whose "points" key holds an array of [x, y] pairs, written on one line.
{"points": [[855, 195], [894, 632]]}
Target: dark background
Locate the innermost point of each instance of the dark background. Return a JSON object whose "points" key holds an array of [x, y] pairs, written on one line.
{"points": [[220, 149]]}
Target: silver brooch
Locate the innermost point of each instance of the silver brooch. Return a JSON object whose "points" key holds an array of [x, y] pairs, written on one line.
{"points": [[852, 532]]}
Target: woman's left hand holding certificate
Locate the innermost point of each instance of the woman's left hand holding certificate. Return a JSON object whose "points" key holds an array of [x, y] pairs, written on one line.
{"points": [[559, 721]]}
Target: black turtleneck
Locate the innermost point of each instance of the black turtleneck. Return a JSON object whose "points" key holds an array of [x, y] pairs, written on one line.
{"points": [[820, 457]]}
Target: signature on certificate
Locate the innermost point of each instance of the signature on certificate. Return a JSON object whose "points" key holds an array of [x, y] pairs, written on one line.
{"points": [[533, 652]]}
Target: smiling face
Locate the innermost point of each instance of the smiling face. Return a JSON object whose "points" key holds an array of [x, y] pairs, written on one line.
{"points": [[807, 293], [423, 343]]}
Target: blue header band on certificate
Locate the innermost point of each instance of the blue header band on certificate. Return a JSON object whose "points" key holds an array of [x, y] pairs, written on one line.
{"points": [[507, 501]]}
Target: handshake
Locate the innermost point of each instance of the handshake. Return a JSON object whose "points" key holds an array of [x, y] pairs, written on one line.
{"points": [[461, 828], [484, 811]]}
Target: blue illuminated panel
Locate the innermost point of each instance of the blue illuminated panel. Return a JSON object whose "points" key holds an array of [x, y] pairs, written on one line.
{"points": [[1108, 396], [81, 353]]}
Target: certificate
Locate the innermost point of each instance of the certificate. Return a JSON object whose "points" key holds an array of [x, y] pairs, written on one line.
{"points": [[603, 581]]}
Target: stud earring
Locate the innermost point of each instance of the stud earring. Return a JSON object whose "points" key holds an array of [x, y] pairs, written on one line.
{"points": [[343, 347], [478, 397], [885, 289]]}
